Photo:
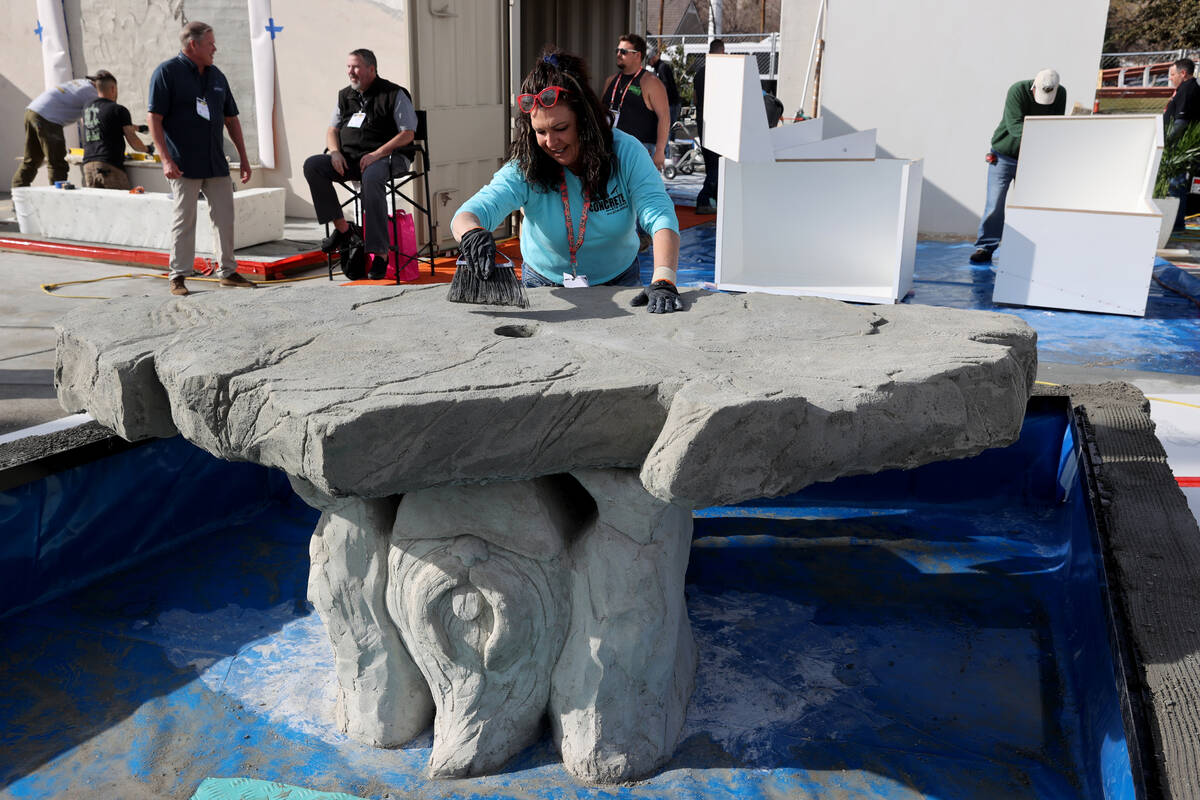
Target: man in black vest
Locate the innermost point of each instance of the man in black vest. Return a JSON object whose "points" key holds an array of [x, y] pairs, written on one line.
{"points": [[373, 120]]}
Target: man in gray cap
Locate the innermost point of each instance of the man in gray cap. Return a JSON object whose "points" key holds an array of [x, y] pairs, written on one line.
{"points": [[1041, 97], [44, 121]]}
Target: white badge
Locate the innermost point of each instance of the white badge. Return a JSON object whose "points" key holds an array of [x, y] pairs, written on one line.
{"points": [[616, 119], [356, 120], [202, 107], [575, 281]]}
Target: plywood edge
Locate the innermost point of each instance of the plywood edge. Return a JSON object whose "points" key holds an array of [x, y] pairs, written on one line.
{"points": [[1087, 211], [851, 294], [782, 160]]}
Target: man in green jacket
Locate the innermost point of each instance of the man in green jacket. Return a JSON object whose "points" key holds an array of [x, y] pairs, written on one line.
{"points": [[1043, 97]]}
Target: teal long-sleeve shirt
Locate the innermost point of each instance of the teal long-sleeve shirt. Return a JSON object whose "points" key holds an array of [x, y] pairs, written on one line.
{"points": [[610, 244], [1019, 104]]}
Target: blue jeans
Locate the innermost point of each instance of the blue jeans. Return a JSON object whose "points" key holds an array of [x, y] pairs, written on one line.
{"points": [[991, 227], [630, 277]]}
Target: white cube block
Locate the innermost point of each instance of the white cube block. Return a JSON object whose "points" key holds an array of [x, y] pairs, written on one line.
{"points": [[846, 230]]}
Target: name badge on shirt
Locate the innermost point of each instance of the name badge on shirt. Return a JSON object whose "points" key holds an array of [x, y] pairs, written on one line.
{"points": [[575, 281], [202, 108], [356, 120], [616, 118]]}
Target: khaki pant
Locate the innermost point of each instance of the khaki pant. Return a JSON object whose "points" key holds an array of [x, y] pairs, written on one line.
{"points": [[44, 141], [219, 194], [102, 175]]}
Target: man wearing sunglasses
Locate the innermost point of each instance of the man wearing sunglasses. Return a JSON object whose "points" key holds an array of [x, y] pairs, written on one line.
{"points": [[373, 120], [638, 99]]}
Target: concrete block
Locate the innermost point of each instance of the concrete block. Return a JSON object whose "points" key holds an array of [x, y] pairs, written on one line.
{"points": [[141, 221]]}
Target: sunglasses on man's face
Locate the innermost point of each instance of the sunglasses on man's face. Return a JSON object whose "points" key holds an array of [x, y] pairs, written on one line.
{"points": [[546, 98], [621, 51]]}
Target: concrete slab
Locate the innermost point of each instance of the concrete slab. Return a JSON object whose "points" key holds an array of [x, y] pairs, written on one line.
{"points": [[398, 390]]}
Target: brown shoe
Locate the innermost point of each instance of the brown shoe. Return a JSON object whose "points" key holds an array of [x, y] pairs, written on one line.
{"points": [[237, 281], [178, 287]]}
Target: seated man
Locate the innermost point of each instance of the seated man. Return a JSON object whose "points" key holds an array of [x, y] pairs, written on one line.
{"points": [[373, 120], [106, 128]]}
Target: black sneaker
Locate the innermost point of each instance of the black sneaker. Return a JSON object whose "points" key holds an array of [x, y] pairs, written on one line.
{"points": [[377, 267], [339, 240], [981, 256]]}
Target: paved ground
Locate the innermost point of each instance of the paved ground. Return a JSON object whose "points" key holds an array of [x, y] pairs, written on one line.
{"points": [[27, 312]]}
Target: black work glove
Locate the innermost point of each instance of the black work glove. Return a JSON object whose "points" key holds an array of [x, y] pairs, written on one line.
{"points": [[479, 249], [660, 297]]}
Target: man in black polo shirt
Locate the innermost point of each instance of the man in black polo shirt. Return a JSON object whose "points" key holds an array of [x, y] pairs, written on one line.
{"points": [[190, 108], [373, 120], [106, 128]]}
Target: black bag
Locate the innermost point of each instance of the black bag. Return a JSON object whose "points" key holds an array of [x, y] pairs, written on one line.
{"points": [[774, 109], [353, 260]]}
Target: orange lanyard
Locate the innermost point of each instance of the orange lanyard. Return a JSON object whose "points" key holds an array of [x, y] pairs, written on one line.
{"points": [[613, 97], [572, 244]]}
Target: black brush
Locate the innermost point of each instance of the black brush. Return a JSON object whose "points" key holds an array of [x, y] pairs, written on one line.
{"points": [[498, 286]]}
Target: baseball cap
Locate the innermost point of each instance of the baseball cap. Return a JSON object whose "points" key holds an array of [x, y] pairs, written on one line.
{"points": [[1045, 87]]}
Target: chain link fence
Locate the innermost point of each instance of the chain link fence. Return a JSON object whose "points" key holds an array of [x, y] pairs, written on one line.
{"points": [[687, 53], [1136, 83]]}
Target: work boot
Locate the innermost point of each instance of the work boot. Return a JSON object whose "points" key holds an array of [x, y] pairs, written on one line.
{"points": [[377, 267], [236, 281], [341, 239], [178, 287], [981, 256]]}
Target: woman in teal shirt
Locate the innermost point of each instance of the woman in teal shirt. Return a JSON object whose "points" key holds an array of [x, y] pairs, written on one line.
{"points": [[583, 187]]}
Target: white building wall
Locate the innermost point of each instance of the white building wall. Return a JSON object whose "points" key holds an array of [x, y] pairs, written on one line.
{"points": [[932, 75]]}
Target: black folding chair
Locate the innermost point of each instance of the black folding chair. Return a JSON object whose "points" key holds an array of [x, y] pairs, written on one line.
{"points": [[398, 186]]}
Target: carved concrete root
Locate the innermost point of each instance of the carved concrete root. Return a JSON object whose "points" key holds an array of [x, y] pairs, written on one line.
{"points": [[620, 689], [479, 591], [382, 698], [562, 593]]}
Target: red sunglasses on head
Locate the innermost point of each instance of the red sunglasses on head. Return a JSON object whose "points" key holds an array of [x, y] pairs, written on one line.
{"points": [[546, 98]]}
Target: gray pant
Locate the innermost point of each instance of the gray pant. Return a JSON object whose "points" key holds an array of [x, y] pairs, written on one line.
{"points": [[320, 174], [219, 194]]}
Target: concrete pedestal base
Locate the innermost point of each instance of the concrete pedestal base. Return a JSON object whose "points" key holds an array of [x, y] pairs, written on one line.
{"points": [[503, 602]]}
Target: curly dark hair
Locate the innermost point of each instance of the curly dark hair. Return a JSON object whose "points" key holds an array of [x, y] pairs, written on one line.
{"points": [[597, 156]]}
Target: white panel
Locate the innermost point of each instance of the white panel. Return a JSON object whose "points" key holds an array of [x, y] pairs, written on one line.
{"points": [[735, 121], [911, 203], [1088, 163], [859, 145], [1076, 260], [806, 132], [959, 60], [831, 229]]}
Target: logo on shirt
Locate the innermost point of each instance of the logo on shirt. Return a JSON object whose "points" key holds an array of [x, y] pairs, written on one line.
{"points": [[610, 204]]}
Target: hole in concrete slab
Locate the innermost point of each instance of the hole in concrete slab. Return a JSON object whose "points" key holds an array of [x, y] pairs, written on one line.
{"points": [[516, 331]]}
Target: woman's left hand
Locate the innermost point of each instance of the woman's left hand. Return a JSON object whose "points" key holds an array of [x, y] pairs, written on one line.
{"points": [[660, 297]]}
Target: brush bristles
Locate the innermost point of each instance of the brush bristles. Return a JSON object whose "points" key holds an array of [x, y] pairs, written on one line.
{"points": [[504, 288]]}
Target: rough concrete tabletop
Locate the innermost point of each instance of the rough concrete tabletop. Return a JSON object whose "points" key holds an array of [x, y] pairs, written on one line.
{"points": [[387, 390]]}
